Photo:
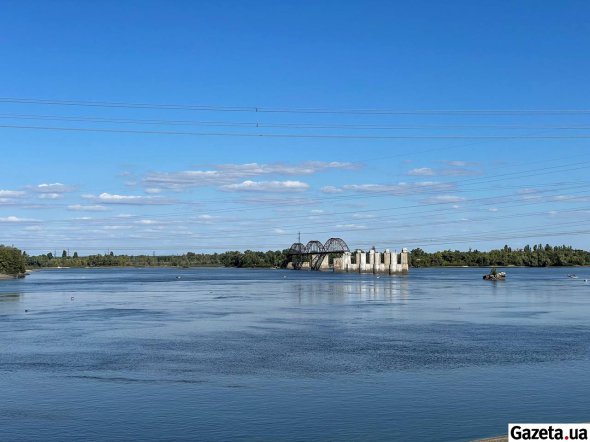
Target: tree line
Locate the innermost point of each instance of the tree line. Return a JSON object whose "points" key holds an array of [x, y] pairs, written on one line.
{"points": [[14, 262], [535, 256], [249, 258]]}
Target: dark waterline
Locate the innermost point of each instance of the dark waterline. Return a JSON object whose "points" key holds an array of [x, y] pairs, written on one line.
{"points": [[218, 354]]}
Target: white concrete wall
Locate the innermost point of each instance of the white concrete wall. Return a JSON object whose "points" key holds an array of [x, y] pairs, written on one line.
{"points": [[389, 265]]}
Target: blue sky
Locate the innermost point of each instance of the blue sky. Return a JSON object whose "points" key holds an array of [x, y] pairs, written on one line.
{"points": [[165, 127]]}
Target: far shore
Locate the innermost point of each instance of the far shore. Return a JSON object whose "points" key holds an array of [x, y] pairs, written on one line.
{"points": [[180, 268], [4, 276]]}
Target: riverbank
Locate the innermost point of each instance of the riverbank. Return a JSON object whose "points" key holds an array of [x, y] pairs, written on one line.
{"points": [[4, 276]]}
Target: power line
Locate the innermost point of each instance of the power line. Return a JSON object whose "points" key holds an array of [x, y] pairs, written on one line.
{"points": [[259, 125], [295, 110], [295, 136]]}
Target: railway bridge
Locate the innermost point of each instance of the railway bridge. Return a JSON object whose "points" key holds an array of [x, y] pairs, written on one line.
{"points": [[316, 256]]}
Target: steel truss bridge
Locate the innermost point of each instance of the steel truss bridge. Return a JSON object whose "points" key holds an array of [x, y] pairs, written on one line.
{"points": [[315, 252]]}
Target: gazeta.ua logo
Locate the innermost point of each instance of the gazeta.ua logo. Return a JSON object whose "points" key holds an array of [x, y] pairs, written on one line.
{"points": [[523, 432]]}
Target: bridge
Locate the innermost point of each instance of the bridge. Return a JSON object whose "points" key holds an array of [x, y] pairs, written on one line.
{"points": [[313, 256], [315, 252]]}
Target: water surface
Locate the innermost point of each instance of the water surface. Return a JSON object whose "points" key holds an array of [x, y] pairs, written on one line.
{"points": [[218, 354]]}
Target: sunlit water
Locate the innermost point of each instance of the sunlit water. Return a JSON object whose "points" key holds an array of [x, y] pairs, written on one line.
{"points": [[218, 354]]}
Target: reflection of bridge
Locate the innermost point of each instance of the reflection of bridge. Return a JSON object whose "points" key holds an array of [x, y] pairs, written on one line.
{"points": [[314, 256], [316, 252]]}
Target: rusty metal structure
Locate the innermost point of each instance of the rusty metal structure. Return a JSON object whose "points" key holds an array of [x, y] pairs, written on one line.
{"points": [[315, 252]]}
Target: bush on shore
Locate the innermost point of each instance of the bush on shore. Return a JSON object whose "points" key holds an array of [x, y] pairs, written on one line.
{"points": [[12, 261]]}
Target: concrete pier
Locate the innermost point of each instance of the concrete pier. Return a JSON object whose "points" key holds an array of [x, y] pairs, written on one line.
{"points": [[386, 262]]}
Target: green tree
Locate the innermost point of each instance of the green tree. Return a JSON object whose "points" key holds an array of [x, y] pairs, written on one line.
{"points": [[12, 261]]}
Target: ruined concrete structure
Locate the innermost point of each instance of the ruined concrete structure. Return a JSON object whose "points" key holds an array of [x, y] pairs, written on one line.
{"points": [[335, 255], [373, 262]]}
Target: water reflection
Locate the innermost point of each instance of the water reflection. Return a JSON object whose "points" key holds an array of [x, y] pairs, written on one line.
{"points": [[10, 297], [384, 290]]}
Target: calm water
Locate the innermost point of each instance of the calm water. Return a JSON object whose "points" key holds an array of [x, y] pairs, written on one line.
{"points": [[218, 354]]}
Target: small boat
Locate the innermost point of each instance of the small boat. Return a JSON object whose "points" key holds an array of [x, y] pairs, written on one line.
{"points": [[573, 276], [495, 276]]}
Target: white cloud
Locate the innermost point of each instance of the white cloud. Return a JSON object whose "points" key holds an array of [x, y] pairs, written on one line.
{"points": [[401, 188], [331, 189], [35, 228], [422, 171], [52, 188], [11, 193], [87, 208], [225, 174], [109, 198], [279, 231], [454, 170], [51, 196], [146, 222], [462, 163], [350, 226], [15, 219], [205, 219], [267, 186], [445, 199], [307, 168], [565, 198]]}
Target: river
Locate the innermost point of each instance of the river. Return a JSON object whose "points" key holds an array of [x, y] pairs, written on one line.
{"points": [[219, 354]]}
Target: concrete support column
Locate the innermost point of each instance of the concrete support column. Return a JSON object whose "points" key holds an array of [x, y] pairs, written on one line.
{"points": [[393, 263], [404, 265], [346, 261]]}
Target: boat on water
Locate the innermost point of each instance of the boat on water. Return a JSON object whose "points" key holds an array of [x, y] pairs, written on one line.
{"points": [[494, 275]]}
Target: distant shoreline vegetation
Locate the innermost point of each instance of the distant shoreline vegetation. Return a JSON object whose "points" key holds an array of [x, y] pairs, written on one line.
{"points": [[13, 262], [247, 259], [535, 256]]}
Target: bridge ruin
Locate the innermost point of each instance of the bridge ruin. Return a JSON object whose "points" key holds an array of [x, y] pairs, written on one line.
{"points": [[335, 255]]}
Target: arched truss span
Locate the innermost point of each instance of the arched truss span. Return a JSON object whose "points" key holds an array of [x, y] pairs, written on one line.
{"points": [[297, 249], [315, 252], [314, 247], [336, 245], [333, 245]]}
